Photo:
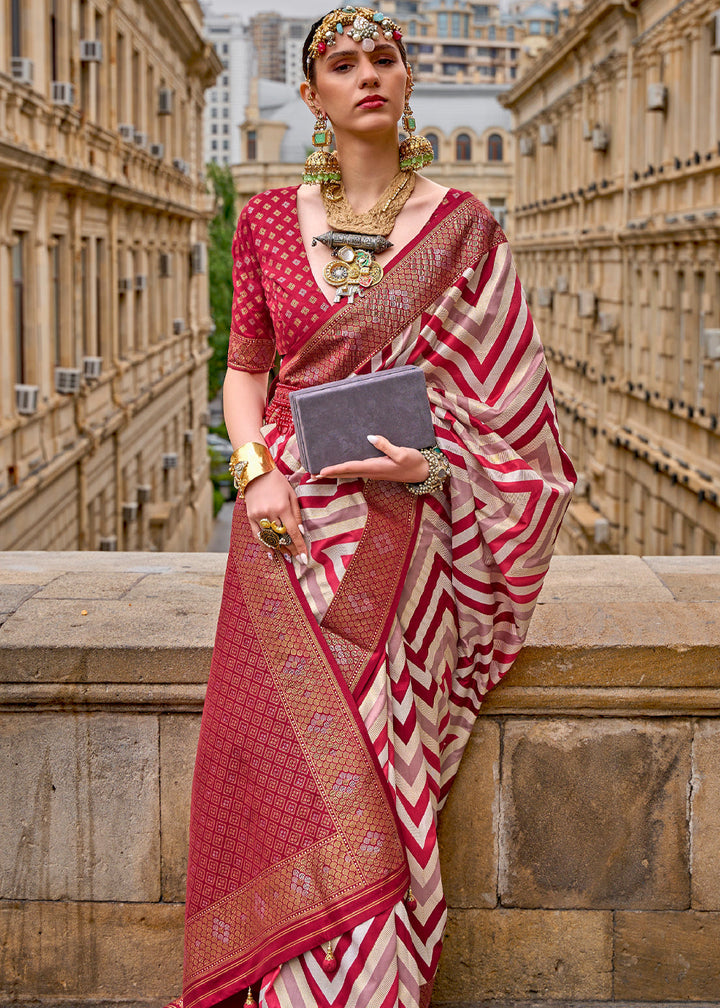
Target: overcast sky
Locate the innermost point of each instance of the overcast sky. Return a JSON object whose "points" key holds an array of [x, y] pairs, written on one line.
{"points": [[246, 8]]}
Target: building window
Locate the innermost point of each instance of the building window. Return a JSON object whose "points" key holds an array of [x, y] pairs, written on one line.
{"points": [[226, 145], [412, 28], [495, 147], [426, 68], [56, 297], [16, 28], [226, 129], [491, 33], [454, 50], [213, 129], [225, 80], [425, 47], [226, 96], [213, 113], [226, 113], [498, 210], [214, 145], [463, 147], [534, 28], [510, 34], [442, 25], [432, 139], [224, 48], [18, 281], [251, 145]]}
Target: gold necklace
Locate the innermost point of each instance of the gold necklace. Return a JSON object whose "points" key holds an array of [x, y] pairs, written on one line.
{"points": [[360, 236], [380, 218]]}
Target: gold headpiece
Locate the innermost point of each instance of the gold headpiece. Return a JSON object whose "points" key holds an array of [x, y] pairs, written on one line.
{"points": [[362, 24]]}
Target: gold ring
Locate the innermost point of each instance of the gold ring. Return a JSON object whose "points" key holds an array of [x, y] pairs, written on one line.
{"points": [[273, 534]]}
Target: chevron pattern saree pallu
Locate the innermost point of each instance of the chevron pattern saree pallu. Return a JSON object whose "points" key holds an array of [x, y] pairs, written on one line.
{"points": [[342, 693]]}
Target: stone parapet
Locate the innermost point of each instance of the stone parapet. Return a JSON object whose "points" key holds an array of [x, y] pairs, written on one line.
{"points": [[579, 844]]}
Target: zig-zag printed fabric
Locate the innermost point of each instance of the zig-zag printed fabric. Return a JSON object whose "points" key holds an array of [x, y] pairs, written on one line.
{"points": [[406, 615]]}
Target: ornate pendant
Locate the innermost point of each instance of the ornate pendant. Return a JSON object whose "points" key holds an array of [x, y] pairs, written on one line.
{"points": [[351, 270]]}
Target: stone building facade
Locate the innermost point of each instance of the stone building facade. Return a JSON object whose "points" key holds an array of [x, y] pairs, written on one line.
{"points": [[104, 311], [617, 234]]}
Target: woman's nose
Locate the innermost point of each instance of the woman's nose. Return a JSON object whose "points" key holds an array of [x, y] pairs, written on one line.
{"points": [[368, 72]]}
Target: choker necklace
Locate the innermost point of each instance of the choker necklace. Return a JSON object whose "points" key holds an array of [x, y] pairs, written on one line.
{"points": [[359, 237]]}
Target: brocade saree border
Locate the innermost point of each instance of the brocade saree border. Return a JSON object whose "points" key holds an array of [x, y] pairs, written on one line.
{"points": [[339, 881]]}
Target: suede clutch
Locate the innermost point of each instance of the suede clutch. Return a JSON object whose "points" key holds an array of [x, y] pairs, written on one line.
{"points": [[332, 421]]}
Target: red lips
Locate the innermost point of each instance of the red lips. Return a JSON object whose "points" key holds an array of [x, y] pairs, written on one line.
{"points": [[372, 101]]}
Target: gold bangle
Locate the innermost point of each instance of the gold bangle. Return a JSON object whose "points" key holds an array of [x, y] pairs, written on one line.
{"points": [[248, 462]]}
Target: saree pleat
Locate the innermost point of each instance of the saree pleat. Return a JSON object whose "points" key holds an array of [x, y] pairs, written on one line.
{"points": [[343, 691]]}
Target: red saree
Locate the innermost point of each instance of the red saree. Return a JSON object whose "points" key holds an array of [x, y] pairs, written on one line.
{"points": [[342, 693]]}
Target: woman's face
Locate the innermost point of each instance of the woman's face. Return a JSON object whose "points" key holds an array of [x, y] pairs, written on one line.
{"points": [[359, 91]]}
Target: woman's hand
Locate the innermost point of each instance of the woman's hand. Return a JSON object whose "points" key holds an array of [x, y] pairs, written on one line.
{"points": [[271, 496], [400, 465]]}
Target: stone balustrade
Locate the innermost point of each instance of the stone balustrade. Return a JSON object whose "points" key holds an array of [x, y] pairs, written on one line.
{"points": [[580, 844]]}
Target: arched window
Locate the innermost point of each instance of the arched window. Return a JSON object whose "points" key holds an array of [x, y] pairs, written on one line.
{"points": [[432, 139], [495, 147], [463, 147]]}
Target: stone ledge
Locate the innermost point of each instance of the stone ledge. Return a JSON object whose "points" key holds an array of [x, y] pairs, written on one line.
{"points": [[579, 844]]}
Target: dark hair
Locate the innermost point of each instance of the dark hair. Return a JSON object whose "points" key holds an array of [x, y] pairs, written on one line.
{"points": [[309, 71]]}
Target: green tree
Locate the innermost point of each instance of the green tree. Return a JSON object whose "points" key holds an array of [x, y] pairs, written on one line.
{"points": [[221, 233]]}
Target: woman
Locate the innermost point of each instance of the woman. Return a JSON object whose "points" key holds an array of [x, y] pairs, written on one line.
{"points": [[357, 638]]}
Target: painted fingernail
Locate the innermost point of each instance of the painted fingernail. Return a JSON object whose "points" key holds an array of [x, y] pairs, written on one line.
{"points": [[373, 438], [302, 528], [302, 557]]}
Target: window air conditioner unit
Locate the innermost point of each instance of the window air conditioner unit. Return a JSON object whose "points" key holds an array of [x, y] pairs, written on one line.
{"points": [[144, 493], [712, 344], [586, 303], [169, 460], [165, 264], [178, 326], [129, 511], [26, 397], [62, 93], [67, 380], [547, 134], [140, 282], [92, 368], [189, 435], [91, 51], [22, 70], [607, 322], [600, 139], [157, 150], [127, 131], [181, 166], [198, 258], [562, 284], [140, 139], [125, 284], [527, 147], [165, 101], [657, 95], [108, 544], [544, 297]]}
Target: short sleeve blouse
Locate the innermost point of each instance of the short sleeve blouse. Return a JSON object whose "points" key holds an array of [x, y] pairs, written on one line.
{"points": [[276, 302]]}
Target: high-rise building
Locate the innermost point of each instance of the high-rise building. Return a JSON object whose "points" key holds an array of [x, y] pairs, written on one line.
{"points": [[227, 99], [104, 312], [467, 42], [617, 234]]}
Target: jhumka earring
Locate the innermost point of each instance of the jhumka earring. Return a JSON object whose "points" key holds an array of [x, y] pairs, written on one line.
{"points": [[321, 166], [415, 151]]}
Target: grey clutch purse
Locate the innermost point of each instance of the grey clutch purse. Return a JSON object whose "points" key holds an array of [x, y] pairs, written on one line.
{"points": [[332, 421]]}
